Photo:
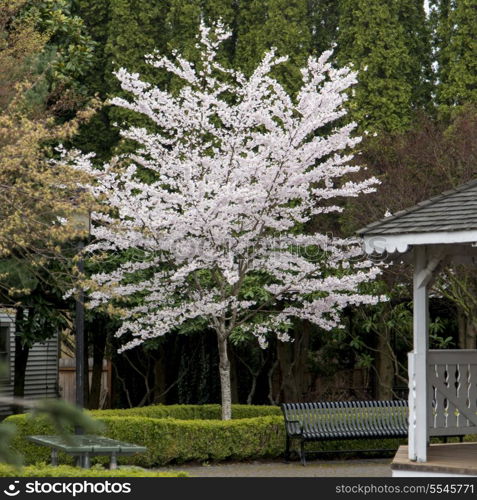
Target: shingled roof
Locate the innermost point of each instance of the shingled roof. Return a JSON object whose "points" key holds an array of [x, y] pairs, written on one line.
{"points": [[454, 210]]}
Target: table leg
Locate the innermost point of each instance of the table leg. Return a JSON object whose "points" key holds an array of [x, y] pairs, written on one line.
{"points": [[113, 464], [54, 457]]}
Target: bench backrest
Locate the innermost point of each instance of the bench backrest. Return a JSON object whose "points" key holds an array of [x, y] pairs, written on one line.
{"points": [[346, 415]]}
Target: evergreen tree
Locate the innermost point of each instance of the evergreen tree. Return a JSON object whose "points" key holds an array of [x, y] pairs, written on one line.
{"points": [[412, 17], [182, 20], [228, 12], [124, 31], [137, 28], [323, 20], [97, 135], [283, 24], [457, 52], [386, 41], [441, 34]]}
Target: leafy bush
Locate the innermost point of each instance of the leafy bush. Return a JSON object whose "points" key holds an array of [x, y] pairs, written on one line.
{"points": [[182, 433], [190, 412], [43, 470], [169, 440]]}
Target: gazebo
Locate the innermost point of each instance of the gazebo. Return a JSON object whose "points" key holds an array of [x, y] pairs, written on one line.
{"points": [[442, 383]]}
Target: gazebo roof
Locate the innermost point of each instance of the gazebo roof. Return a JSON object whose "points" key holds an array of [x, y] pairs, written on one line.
{"points": [[453, 210], [450, 217]]}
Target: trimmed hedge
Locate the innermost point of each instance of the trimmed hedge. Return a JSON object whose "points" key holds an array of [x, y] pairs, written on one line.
{"points": [[190, 412], [43, 470], [169, 440], [184, 433]]}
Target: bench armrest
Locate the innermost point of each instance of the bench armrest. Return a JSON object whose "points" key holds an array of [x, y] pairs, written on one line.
{"points": [[294, 427]]}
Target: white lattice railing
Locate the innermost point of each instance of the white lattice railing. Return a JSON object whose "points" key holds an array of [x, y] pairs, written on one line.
{"points": [[452, 392]]}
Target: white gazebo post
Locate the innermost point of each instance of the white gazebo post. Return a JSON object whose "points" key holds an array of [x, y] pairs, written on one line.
{"points": [[418, 413]]}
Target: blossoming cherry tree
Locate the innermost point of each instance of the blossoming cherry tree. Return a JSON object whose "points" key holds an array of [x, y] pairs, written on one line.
{"points": [[215, 200]]}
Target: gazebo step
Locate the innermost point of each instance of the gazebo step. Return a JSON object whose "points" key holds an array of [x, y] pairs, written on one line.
{"points": [[443, 460]]}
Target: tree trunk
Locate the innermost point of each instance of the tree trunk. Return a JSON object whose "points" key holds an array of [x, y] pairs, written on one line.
{"points": [[467, 330], [385, 367], [471, 333], [288, 389], [293, 364], [302, 349], [22, 351], [86, 371], [462, 326], [99, 345], [21, 358], [160, 378], [233, 377], [224, 369]]}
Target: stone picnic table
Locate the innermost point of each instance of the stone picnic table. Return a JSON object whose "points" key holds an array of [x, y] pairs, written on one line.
{"points": [[84, 446]]}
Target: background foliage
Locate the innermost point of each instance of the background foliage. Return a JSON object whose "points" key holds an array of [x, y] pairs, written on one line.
{"points": [[417, 93]]}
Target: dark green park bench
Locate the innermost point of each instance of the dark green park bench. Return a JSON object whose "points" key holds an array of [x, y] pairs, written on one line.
{"points": [[330, 421], [85, 446]]}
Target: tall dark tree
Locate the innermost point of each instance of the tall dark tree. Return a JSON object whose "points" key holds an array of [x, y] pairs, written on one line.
{"points": [[387, 42], [97, 135], [417, 32], [282, 24], [456, 49], [323, 20]]}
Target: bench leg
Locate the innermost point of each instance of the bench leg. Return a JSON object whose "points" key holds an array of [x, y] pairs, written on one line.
{"points": [[86, 462], [302, 452], [287, 450], [54, 457], [113, 464]]}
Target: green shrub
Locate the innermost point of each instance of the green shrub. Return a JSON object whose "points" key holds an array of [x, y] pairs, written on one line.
{"points": [[43, 470], [169, 440], [184, 433], [190, 412]]}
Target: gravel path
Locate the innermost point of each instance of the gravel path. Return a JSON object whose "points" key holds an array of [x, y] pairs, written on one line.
{"points": [[313, 468]]}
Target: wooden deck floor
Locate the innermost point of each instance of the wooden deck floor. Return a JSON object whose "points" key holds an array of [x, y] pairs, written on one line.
{"points": [[449, 458]]}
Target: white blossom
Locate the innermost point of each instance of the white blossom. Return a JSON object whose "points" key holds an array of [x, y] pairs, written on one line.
{"points": [[235, 167]]}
